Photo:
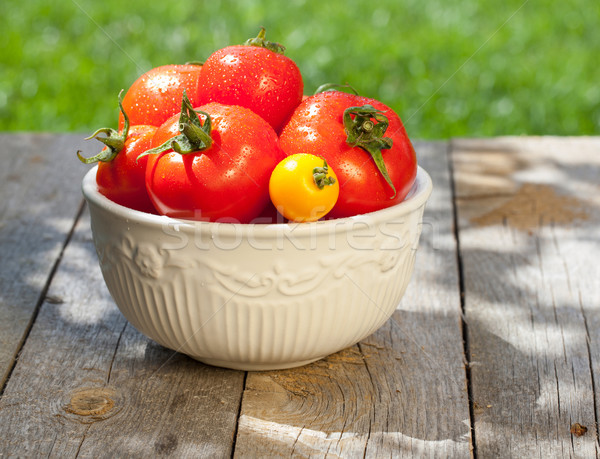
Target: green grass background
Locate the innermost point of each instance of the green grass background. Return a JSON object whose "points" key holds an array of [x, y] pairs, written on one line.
{"points": [[447, 67]]}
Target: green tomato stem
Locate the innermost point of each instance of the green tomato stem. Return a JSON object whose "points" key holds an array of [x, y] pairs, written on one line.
{"points": [[114, 140], [320, 176], [362, 132], [194, 136], [262, 43], [335, 87]]}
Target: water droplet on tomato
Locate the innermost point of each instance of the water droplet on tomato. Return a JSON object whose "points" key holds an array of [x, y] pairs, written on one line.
{"points": [[229, 59]]}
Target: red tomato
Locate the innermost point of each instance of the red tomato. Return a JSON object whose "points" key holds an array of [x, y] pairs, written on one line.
{"points": [[156, 95], [226, 181], [256, 76], [122, 180], [120, 176], [317, 127]]}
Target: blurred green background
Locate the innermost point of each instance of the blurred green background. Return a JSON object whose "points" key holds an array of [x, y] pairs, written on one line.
{"points": [[449, 68]]}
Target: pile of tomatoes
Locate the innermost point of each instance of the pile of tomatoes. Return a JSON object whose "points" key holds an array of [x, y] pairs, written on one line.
{"points": [[235, 139]]}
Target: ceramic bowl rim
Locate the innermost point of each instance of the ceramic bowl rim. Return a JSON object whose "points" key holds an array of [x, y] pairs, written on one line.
{"points": [[415, 199]]}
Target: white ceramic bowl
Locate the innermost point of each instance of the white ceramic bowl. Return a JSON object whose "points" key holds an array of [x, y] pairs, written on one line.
{"points": [[257, 296]]}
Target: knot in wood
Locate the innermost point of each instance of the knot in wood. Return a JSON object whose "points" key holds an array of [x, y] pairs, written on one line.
{"points": [[90, 402]]}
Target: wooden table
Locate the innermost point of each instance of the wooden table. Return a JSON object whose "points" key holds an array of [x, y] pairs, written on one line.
{"points": [[493, 352]]}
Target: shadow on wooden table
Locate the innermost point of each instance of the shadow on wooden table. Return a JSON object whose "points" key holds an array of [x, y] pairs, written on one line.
{"points": [[528, 212]]}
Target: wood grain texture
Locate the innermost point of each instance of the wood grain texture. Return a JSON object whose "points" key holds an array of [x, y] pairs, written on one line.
{"points": [[529, 212], [401, 391], [88, 384], [40, 195]]}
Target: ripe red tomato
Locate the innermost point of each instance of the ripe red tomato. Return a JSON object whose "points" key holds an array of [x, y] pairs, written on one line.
{"points": [[225, 177], [255, 75], [122, 180], [156, 95], [317, 127], [120, 176]]}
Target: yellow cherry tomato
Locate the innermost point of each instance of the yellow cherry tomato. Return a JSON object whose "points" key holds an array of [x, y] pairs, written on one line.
{"points": [[303, 187]]}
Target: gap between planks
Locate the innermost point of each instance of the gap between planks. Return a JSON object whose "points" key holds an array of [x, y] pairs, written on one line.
{"points": [[461, 289]]}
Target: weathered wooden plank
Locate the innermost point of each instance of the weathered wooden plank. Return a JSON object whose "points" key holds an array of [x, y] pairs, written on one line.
{"points": [[88, 384], [401, 390], [529, 212], [39, 189]]}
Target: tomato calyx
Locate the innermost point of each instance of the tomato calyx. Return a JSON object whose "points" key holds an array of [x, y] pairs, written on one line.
{"points": [[321, 178], [114, 140], [335, 87], [262, 43], [362, 131], [194, 136]]}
